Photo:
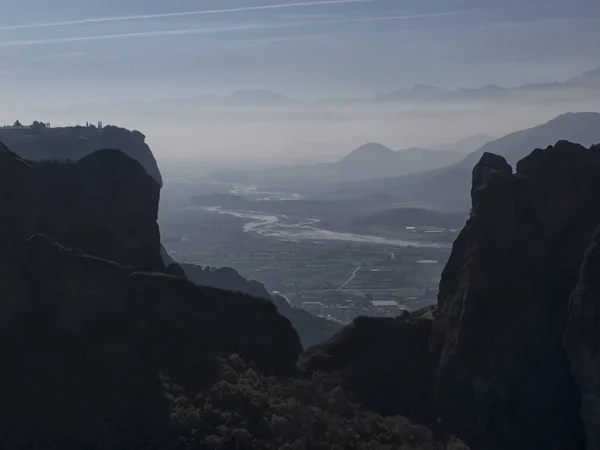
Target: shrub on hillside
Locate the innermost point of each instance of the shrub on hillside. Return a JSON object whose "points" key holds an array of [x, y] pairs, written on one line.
{"points": [[246, 410]]}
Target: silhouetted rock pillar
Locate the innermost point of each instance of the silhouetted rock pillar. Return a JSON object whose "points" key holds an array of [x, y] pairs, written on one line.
{"points": [[582, 341]]}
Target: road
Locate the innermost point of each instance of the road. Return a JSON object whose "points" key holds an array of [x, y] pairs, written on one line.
{"points": [[351, 278]]}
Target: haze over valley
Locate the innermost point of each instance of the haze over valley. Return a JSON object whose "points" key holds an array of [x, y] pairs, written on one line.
{"points": [[300, 225]]}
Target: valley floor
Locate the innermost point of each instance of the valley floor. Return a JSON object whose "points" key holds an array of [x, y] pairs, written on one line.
{"points": [[314, 274]]}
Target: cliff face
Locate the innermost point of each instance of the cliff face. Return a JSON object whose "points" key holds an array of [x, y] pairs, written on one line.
{"points": [[18, 195], [91, 348], [74, 143], [105, 204], [490, 362], [582, 341], [503, 379]]}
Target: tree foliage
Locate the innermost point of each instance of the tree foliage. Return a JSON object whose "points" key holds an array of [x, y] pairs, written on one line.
{"points": [[246, 410]]}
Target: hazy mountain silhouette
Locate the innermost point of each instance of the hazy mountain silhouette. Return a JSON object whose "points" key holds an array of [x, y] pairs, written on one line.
{"points": [[449, 187], [465, 145], [582, 87], [583, 128], [421, 92], [371, 160], [588, 80]]}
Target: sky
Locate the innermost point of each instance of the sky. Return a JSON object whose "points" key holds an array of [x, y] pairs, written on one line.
{"points": [[65, 53]]}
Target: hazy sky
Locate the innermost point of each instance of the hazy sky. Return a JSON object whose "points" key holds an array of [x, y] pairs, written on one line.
{"points": [[72, 51]]}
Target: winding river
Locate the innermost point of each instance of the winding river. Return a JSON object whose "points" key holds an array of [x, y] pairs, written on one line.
{"points": [[285, 228]]}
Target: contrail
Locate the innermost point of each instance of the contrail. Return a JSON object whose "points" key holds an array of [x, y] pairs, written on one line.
{"points": [[141, 34], [184, 31], [179, 14], [412, 16]]}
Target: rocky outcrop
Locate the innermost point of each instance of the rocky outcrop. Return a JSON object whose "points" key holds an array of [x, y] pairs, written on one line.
{"points": [[105, 204], [503, 378], [92, 345], [86, 342], [312, 329], [224, 278], [386, 362], [18, 195], [582, 341], [74, 143]]}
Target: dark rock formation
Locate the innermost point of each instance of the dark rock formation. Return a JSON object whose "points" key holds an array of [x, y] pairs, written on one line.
{"points": [[224, 278], [503, 379], [89, 345], [582, 341], [74, 143], [386, 361], [86, 343], [18, 195], [105, 204], [312, 329]]}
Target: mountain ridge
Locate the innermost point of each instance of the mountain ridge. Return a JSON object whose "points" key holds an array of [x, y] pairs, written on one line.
{"points": [[367, 161], [448, 187], [586, 82]]}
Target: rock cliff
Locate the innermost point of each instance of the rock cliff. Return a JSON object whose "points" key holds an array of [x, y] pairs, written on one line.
{"points": [[503, 378], [105, 204], [74, 143], [490, 363], [582, 341], [18, 195], [93, 345]]}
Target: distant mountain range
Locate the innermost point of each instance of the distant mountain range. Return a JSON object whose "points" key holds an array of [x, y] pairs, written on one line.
{"points": [[371, 160], [579, 87], [449, 187], [587, 83]]}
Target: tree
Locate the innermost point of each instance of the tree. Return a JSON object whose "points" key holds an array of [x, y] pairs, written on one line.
{"points": [[17, 124]]}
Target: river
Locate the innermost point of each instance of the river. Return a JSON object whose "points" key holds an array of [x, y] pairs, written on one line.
{"points": [[285, 228]]}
